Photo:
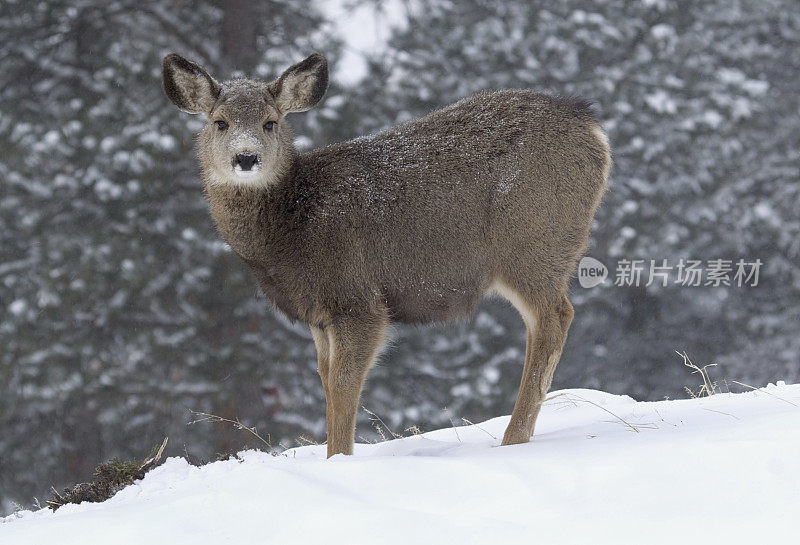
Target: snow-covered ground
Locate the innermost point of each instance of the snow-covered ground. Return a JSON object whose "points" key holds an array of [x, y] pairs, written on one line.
{"points": [[600, 469]]}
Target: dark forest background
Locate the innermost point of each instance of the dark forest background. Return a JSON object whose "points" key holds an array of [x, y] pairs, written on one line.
{"points": [[121, 309]]}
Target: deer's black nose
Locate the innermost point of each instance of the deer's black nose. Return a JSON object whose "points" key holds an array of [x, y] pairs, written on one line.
{"points": [[245, 160]]}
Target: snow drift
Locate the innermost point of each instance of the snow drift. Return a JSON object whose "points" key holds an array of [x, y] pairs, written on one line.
{"points": [[601, 469]]}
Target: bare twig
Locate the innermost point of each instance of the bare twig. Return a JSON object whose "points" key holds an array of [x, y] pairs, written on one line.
{"points": [[708, 387], [57, 501], [153, 460]]}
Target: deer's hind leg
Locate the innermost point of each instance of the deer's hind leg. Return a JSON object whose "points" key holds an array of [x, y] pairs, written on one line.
{"points": [[547, 323]]}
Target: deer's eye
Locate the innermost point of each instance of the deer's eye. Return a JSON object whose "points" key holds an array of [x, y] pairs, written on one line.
{"points": [[221, 125], [269, 125]]}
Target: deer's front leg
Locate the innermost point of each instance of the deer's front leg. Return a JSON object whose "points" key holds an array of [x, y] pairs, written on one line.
{"points": [[354, 343], [322, 344]]}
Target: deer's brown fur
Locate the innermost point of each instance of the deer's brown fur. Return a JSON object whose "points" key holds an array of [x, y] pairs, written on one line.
{"points": [[415, 224]]}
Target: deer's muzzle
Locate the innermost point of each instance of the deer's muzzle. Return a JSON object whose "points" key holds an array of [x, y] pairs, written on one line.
{"points": [[245, 161]]}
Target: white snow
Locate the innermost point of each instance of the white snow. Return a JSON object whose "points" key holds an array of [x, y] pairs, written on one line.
{"points": [[17, 307], [600, 469], [661, 102], [365, 28]]}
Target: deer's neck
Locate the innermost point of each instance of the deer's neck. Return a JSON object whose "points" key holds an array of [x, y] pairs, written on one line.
{"points": [[245, 214], [238, 213]]}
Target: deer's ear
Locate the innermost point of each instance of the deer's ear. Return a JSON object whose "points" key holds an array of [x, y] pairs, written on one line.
{"points": [[302, 85], [188, 86]]}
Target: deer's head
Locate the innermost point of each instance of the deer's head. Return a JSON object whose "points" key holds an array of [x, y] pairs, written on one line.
{"points": [[246, 139]]}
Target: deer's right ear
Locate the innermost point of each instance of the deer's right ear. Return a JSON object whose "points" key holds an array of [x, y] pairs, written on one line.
{"points": [[188, 86]]}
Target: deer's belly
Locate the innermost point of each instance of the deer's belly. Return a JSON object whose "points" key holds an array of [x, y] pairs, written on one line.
{"points": [[426, 303]]}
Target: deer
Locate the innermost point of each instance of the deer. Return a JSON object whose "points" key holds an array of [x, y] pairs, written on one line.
{"points": [[493, 195]]}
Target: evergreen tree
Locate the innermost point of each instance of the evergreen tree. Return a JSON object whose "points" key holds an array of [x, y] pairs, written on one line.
{"points": [[699, 105], [121, 306]]}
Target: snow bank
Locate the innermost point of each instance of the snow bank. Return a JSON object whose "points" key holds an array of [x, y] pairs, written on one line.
{"points": [[600, 469]]}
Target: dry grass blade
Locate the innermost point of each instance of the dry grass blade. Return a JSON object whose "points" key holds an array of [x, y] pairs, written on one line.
{"points": [[208, 417], [764, 391], [414, 430], [721, 412], [480, 428], [374, 418], [627, 424], [566, 402], [304, 441], [663, 420], [452, 423]]}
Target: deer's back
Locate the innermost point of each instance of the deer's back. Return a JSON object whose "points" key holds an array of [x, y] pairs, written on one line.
{"points": [[427, 215]]}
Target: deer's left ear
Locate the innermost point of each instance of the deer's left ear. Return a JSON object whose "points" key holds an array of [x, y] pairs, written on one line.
{"points": [[188, 86], [302, 85]]}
